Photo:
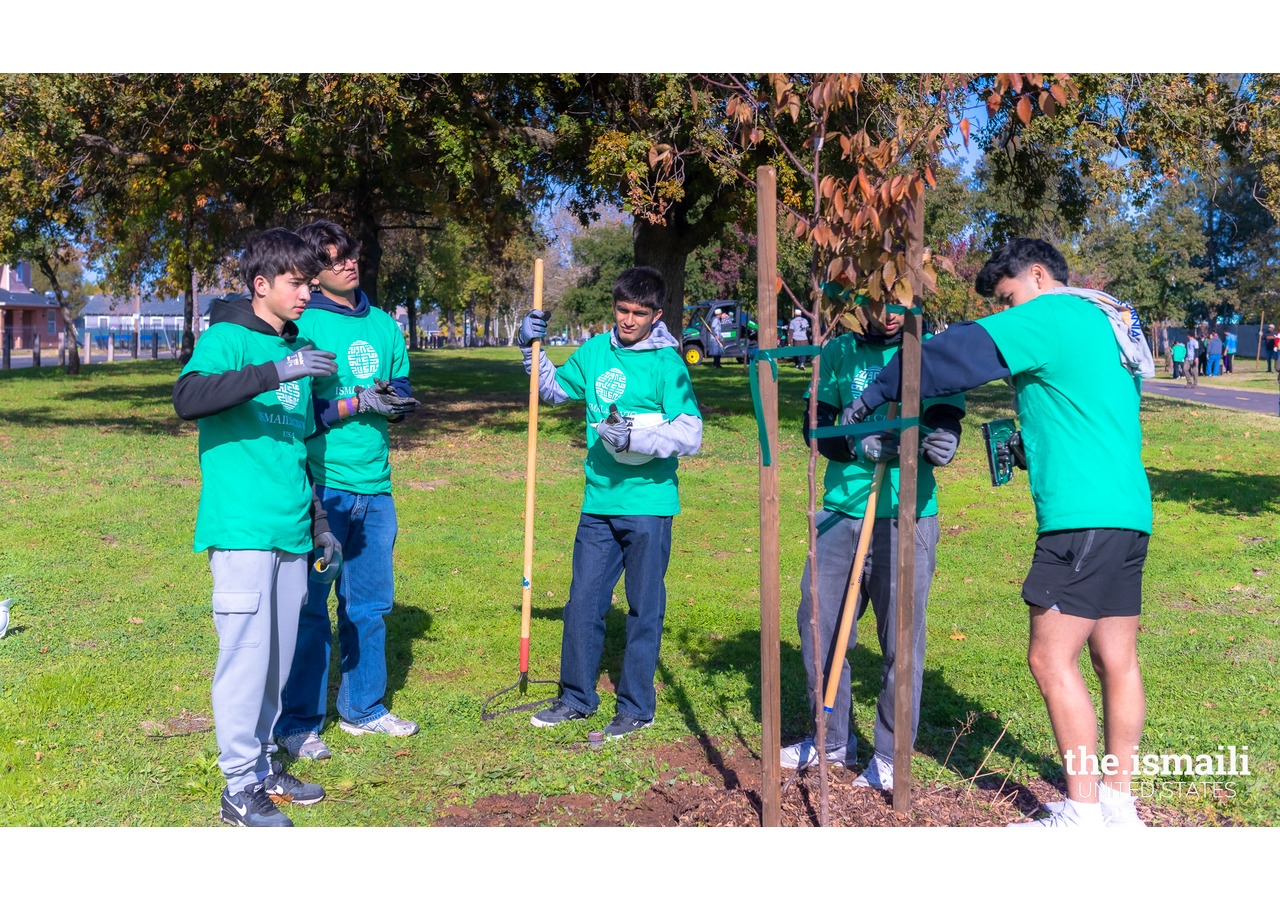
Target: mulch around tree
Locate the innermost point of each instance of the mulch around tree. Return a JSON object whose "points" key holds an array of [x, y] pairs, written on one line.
{"points": [[726, 792]]}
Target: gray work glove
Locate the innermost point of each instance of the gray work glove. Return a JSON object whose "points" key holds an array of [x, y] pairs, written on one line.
{"points": [[939, 447], [875, 447], [306, 362], [381, 398], [329, 547], [533, 328], [615, 430]]}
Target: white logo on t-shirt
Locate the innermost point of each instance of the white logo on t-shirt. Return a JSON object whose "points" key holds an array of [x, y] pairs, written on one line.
{"points": [[363, 359], [289, 394], [611, 385], [862, 380]]}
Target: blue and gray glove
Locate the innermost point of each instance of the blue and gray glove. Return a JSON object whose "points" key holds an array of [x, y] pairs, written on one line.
{"points": [[306, 362], [939, 447], [533, 328]]}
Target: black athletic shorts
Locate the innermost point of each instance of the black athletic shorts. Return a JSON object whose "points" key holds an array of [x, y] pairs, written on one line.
{"points": [[1089, 572]]}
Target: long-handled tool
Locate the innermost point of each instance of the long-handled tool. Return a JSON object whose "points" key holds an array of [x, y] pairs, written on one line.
{"points": [[526, 606], [855, 583]]}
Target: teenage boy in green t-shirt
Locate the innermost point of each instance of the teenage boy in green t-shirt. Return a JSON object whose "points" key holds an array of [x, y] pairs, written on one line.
{"points": [[1078, 404], [248, 385], [848, 364], [641, 416], [349, 460]]}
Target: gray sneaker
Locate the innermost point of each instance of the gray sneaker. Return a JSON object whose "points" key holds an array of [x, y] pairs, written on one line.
{"points": [[305, 745], [281, 787], [388, 724]]}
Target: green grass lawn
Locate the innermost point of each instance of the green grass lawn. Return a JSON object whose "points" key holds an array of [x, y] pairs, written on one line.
{"points": [[112, 628]]}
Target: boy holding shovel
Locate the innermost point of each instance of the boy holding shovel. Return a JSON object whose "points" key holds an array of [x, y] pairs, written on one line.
{"points": [[848, 364], [641, 415]]}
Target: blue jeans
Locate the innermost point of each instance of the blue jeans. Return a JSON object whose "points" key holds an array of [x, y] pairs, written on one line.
{"points": [[1215, 364], [604, 548], [366, 526]]}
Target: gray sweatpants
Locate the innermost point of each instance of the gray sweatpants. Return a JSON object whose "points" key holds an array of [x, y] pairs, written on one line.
{"points": [[257, 595], [837, 546]]}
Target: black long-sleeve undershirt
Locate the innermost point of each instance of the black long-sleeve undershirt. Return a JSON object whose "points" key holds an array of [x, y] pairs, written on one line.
{"points": [[196, 396], [959, 359]]}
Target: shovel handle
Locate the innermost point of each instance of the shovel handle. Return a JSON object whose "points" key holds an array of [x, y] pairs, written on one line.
{"points": [[855, 581]]}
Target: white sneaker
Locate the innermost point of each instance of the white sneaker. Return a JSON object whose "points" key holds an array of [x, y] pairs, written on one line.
{"points": [[878, 775], [387, 724], [305, 745], [1114, 815], [1057, 819], [805, 754]]}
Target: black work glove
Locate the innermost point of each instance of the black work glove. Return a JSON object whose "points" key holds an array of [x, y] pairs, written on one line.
{"points": [[874, 447], [329, 546], [381, 398], [306, 362], [1013, 452], [855, 412], [939, 447], [533, 328]]}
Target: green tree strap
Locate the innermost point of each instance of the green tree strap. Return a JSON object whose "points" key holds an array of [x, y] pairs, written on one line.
{"points": [[824, 432]]}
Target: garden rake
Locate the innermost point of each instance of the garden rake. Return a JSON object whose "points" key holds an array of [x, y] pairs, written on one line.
{"points": [[526, 607]]}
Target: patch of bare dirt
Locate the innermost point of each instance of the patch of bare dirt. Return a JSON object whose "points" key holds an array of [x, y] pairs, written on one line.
{"points": [[185, 723], [728, 794]]}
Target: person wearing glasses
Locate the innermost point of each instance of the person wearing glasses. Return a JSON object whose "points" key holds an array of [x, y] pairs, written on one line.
{"points": [[348, 459]]}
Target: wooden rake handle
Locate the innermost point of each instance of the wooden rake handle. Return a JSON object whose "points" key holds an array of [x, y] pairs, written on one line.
{"points": [[526, 603], [855, 581]]}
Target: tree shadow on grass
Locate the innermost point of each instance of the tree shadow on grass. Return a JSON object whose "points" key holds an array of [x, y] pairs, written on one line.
{"points": [[1217, 492]]}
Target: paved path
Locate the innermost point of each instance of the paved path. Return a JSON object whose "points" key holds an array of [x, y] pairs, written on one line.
{"points": [[1252, 401]]}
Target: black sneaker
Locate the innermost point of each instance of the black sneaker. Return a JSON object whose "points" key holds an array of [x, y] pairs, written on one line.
{"points": [[282, 787], [559, 713], [253, 808], [622, 725]]}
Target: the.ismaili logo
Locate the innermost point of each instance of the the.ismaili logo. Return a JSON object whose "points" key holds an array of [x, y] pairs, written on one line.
{"points": [[363, 359], [611, 385], [289, 394]]}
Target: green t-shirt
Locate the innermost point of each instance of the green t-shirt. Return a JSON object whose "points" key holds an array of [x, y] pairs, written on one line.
{"points": [[638, 381], [1078, 408], [253, 461], [848, 366], [1179, 352], [352, 455]]}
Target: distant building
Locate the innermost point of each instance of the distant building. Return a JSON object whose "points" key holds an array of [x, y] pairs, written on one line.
{"points": [[25, 316], [105, 313]]}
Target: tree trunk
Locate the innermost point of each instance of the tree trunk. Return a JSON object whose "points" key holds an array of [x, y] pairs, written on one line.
{"points": [[367, 232], [411, 306], [661, 247], [68, 318], [451, 332], [189, 318]]}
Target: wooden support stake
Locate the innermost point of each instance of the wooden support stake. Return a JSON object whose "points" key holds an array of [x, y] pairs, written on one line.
{"points": [[909, 465], [770, 553]]}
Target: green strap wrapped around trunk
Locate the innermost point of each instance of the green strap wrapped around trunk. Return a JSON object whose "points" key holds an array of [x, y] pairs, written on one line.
{"points": [[826, 431]]}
